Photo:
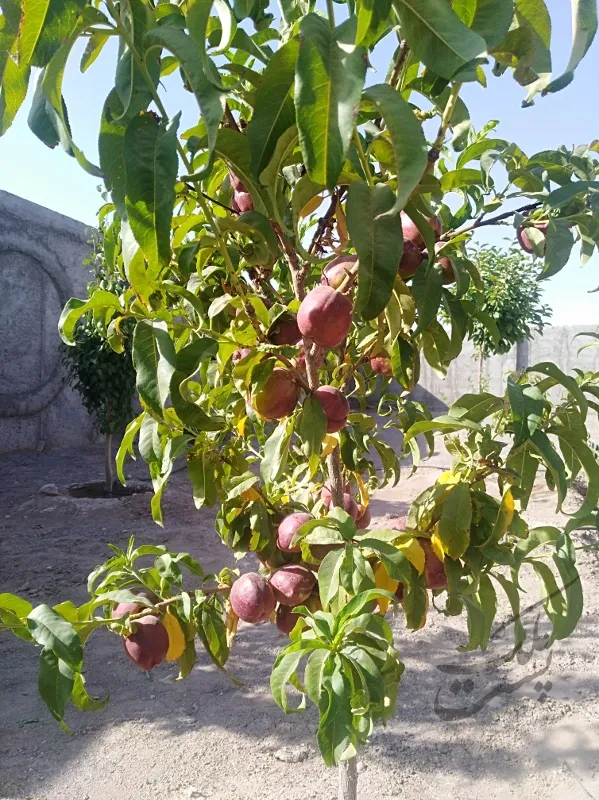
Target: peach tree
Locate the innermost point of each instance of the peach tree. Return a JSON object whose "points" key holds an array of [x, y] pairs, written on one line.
{"points": [[291, 257]]}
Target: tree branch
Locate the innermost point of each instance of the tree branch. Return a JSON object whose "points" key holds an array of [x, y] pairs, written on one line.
{"points": [[404, 49], [480, 223]]}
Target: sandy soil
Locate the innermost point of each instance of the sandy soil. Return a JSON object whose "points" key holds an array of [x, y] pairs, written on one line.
{"points": [[464, 727]]}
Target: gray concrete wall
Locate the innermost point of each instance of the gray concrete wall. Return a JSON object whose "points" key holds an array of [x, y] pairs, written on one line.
{"points": [[557, 344], [41, 255]]}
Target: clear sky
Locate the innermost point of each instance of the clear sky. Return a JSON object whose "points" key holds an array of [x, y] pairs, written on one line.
{"points": [[53, 179]]}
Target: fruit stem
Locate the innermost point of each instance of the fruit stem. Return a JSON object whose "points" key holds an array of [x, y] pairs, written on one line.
{"points": [[350, 274], [331, 13], [297, 375]]}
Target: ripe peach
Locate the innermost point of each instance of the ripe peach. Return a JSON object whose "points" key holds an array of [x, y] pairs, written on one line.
{"points": [[434, 571], [319, 551], [335, 406], [292, 584], [241, 202], [411, 232], [285, 331], [525, 242], [364, 518], [349, 504], [325, 493], [381, 364], [147, 646], [446, 267], [236, 183], [286, 619], [336, 271], [240, 354], [278, 397], [325, 316], [397, 524], [134, 608], [252, 598], [411, 258], [287, 530]]}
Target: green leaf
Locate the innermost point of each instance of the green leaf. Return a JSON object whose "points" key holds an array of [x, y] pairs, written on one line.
{"points": [[74, 309], [584, 28], [396, 563], [405, 362], [313, 426], [589, 462], [151, 171], [445, 423], [476, 624], [211, 100], [53, 632], [55, 680], [487, 597], [526, 466], [14, 81], [456, 518], [11, 602], [274, 110], [427, 289], [154, 361], [567, 381], [373, 20], [212, 630], [82, 700], [565, 558], [541, 444], [407, 139], [282, 672], [513, 595], [378, 240], [527, 406], [187, 362], [415, 601], [534, 17], [491, 19], [335, 730], [328, 576], [559, 242], [276, 451], [329, 80], [435, 347], [475, 407], [438, 36], [45, 25], [126, 446], [111, 147], [234, 148]]}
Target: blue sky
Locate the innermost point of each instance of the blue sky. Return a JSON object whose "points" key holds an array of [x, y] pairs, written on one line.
{"points": [[53, 179]]}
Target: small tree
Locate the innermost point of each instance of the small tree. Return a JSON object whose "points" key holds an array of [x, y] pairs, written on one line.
{"points": [[103, 376], [255, 319], [510, 310]]}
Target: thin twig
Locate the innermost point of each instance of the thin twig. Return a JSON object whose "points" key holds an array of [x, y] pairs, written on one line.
{"points": [[404, 49], [435, 151], [480, 223]]}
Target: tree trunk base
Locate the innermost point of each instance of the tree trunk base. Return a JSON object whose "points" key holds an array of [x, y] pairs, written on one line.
{"points": [[348, 779]]}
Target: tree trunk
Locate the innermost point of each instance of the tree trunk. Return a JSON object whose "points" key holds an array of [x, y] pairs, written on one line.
{"points": [[481, 362], [348, 779], [108, 463]]}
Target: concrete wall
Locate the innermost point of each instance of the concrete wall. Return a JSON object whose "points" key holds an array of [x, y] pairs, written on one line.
{"points": [[41, 255], [557, 344]]}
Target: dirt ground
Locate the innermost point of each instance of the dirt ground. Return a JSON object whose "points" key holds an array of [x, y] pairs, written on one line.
{"points": [[464, 726]]}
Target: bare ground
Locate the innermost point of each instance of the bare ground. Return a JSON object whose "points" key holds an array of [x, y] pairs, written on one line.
{"points": [[464, 727]]}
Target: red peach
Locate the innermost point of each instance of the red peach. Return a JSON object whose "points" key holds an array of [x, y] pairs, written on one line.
{"points": [[278, 397], [148, 645], [411, 258], [325, 316], [292, 584], [364, 518], [285, 331], [252, 598], [287, 530], [335, 406], [335, 273], [381, 364], [524, 240]]}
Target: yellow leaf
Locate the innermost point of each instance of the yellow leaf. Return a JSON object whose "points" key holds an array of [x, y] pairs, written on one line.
{"points": [[330, 442], [241, 426], [232, 621], [383, 580], [436, 544], [505, 516], [448, 478], [413, 551], [176, 637], [342, 230], [364, 496], [311, 206], [251, 494]]}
